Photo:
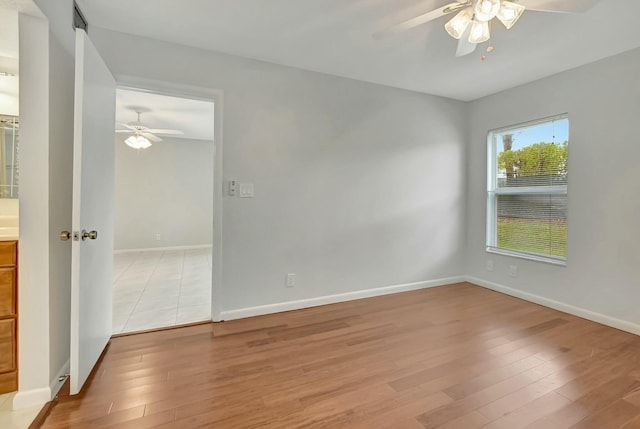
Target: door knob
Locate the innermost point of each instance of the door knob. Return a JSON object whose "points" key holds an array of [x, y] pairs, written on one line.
{"points": [[89, 234], [65, 235]]}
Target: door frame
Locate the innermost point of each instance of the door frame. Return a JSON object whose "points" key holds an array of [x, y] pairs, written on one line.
{"points": [[134, 83]]}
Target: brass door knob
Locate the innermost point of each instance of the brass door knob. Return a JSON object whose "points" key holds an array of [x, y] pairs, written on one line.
{"points": [[89, 234], [65, 235]]}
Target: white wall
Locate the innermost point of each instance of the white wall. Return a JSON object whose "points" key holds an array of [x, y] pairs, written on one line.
{"points": [[9, 102], [46, 112], [357, 186], [602, 270], [33, 263], [166, 189], [9, 207]]}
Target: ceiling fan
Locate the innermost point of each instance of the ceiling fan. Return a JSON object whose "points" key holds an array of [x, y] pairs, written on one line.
{"points": [[143, 135], [471, 22]]}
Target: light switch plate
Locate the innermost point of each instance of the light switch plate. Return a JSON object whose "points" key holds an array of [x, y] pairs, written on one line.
{"points": [[246, 190]]}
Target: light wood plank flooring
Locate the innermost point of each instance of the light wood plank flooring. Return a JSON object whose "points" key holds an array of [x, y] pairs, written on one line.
{"points": [[456, 356]]}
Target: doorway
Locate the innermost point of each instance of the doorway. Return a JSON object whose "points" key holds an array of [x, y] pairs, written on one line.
{"points": [[163, 236]]}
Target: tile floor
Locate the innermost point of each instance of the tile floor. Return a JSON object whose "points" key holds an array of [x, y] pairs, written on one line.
{"points": [[20, 419], [160, 288]]}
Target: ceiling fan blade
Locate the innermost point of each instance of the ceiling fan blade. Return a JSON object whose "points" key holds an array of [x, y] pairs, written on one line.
{"points": [[422, 19], [562, 6], [465, 47], [123, 125], [168, 132], [124, 131], [151, 137]]}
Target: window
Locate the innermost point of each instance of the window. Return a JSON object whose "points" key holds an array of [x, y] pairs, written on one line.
{"points": [[527, 190]]}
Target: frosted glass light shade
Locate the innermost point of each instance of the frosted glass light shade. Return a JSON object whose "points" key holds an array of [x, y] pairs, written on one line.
{"points": [[486, 10], [479, 32], [457, 25], [509, 13], [138, 142]]}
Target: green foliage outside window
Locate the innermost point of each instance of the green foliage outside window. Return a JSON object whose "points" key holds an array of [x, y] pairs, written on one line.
{"points": [[540, 159]]}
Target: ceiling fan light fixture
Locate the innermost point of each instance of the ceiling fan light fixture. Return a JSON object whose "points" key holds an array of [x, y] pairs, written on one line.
{"points": [[457, 25], [479, 32], [486, 10], [138, 142], [509, 13]]}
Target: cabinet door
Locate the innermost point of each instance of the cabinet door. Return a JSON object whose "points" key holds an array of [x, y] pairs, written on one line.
{"points": [[7, 345], [7, 292], [8, 252]]}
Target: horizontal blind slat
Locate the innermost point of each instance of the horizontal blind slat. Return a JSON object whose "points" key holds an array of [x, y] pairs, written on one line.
{"points": [[532, 223]]}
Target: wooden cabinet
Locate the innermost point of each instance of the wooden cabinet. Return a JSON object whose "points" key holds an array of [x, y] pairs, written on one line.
{"points": [[8, 316]]}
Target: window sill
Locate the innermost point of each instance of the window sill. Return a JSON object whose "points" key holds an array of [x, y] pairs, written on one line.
{"points": [[529, 256]]}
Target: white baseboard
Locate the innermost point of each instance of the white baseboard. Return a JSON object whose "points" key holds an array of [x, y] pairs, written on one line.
{"points": [[56, 384], [151, 249], [332, 299], [623, 325], [31, 398]]}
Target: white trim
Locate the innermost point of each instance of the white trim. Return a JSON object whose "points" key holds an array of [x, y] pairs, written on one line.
{"points": [[152, 249], [530, 190], [560, 306], [530, 256], [31, 398], [332, 299], [528, 124], [56, 384]]}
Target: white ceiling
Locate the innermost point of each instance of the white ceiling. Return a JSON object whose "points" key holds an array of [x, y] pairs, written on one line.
{"points": [[335, 37], [193, 117]]}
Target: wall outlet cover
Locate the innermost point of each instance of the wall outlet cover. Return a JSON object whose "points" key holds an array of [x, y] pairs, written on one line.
{"points": [[231, 187], [291, 280]]}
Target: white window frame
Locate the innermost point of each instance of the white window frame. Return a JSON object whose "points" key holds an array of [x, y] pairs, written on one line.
{"points": [[493, 191]]}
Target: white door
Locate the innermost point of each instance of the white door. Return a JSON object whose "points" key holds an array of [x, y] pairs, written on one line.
{"points": [[93, 199]]}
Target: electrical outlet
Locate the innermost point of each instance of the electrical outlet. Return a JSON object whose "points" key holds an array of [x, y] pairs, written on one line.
{"points": [[291, 280], [489, 265], [157, 237], [231, 187], [513, 271]]}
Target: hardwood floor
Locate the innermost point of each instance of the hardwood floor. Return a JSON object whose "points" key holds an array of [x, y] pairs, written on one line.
{"points": [[456, 356]]}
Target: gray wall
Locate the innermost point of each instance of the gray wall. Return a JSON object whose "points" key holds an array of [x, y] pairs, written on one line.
{"points": [[602, 101], [46, 116], [357, 186], [33, 264], [166, 189], [60, 202]]}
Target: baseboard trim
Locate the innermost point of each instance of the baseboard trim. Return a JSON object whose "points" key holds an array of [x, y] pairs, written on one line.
{"points": [[613, 322], [151, 249], [242, 313], [56, 384], [31, 398]]}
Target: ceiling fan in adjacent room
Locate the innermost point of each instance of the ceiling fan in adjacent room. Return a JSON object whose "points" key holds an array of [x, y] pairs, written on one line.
{"points": [[143, 135], [472, 19]]}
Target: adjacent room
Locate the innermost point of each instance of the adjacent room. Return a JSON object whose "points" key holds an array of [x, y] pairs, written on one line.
{"points": [[322, 214], [163, 211]]}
